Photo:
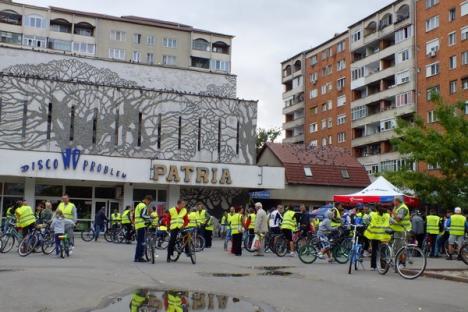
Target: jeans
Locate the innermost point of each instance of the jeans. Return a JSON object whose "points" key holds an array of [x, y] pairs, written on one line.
{"points": [[71, 236], [58, 245], [375, 248], [433, 239], [441, 239], [140, 245], [97, 229]]}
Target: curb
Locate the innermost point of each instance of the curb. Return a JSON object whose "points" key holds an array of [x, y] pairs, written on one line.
{"points": [[433, 274]]}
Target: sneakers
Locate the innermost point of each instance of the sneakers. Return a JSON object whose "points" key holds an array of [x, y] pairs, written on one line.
{"points": [[291, 254], [320, 255], [449, 257]]}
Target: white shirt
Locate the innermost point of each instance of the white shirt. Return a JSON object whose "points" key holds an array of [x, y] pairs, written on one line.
{"points": [[274, 219]]}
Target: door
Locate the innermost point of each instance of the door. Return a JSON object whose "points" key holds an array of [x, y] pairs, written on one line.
{"points": [[98, 205], [112, 207]]}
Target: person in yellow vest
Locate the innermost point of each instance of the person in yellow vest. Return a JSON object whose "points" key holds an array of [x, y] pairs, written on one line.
{"points": [[154, 219], [433, 225], [202, 219], [69, 212], [139, 298], [336, 219], [379, 223], [25, 218], [209, 231], [175, 301], [193, 218], [116, 219], [400, 222], [178, 219], [228, 236], [457, 226], [251, 218], [288, 226], [139, 220], [10, 215], [222, 224], [126, 221], [236, 223]]}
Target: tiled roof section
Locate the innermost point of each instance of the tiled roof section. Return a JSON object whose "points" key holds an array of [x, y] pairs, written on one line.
{"points": [[326, 163]]}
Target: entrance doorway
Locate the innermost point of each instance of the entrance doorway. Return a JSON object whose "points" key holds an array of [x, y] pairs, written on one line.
{"points": [[109, 205]]}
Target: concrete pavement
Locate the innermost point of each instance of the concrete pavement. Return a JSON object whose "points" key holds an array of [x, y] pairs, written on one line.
{"points": [[99, 271]]}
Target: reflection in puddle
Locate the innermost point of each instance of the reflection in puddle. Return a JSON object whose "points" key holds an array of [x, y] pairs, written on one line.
{"points": [[149, 300]]}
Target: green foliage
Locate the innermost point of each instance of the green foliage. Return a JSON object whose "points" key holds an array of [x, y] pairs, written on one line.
{"points": [[445, 145], [266, 135]]}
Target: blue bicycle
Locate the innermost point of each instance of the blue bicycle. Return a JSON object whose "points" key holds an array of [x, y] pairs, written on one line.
{"points": [[355, 254]]}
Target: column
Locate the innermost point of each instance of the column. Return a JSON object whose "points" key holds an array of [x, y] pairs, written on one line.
{"points": [[173, 195], [127, 195], [29, 191]]}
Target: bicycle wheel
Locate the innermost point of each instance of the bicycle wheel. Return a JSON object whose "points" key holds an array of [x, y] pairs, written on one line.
{"points": [[48, 247], [248, 242], [199, 243], [464, 253], [175, 256], [352, 259], [340, 254], [87, 236], [8, 241], [66, 247], [27, 245], [410, 262], [301, 242], [307, 254], [384, 259], [108, 235], [281, 247], [162, 242], [192, 253], [347, 244], [152, 250]]}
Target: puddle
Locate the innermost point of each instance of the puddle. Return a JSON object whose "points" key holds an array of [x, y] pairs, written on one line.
{"points": [[270, 268], [152, 300], [226, 274], [275, 273]]}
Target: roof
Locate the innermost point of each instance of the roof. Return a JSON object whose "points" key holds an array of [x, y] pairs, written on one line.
{"points": [[326, 163], [375, 12]]}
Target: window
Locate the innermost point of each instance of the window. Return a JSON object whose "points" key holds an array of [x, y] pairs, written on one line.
{"points": [[150, 58], [314, 77], [433, 167], [118, 54], [356, 35], [324, 107], [72, 123], [402, 77], [35, 41], [432, 91], [403, 33], [201, 45], [313, 143], [324, 141], [431, 3], [179, 133], [169, 43], [452, 38], [431, 117], [345, 174], [117, 35], [388, 124], [237, 137], [432, 47], [327, 70], [403, 56], [341, 65], [150, 40], [329, 104], [219, 138], [341, 137], [465, 58], [324, 123], [404, 99], [61, 45], [465, 83], [313, 127], [340, 83], [49, 121], [464, 33], [327, 53], [159, 130], [432, 23], [359, 112], [136, 56], [330, 140], [85, 48], [452, 14], [341, 100], [136, 38], [329, 122], [313, 60], [357, 73], [297, 82], [464, 8], [169, 60], [24, 120], [95, 118], [313, 93], [116, 127], [453, 87], [307, 171], [35, 21], [323, 89], [340, 46], [432, 69], [314, 110], [140, 121], [341, 119], [453, 62], [220, 65], [199, 133], [466, 108]]}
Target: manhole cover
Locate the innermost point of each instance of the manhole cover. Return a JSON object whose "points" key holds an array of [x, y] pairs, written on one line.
{"points": [[180, 300]]}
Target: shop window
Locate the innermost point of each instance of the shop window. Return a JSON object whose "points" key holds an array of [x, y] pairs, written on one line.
{"points": [[162, 195], [83, 208], [48, 190], [79, 192], [14, 189], [104, 192], [139, 194]]}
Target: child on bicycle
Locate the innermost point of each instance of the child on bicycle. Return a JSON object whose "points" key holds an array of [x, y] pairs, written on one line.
{"points": [[58, 227], [325, 230]]}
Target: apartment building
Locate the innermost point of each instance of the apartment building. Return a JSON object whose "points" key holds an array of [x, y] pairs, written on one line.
{"points": [[442, 55], [327, 93], [293, 97], [126, 38]]}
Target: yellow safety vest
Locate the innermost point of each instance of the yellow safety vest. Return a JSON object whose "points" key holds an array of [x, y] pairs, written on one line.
{"points": [[155, 217], [236, 223], [253, 217], [228, 221], [25, 216], [115, 218], [337, 217], [289, 222], [139, 221], [137, 302], [224, 220], [432, 224], [402, 225], [210, 224], [202, 217], [67, 210], [193, 219], [126, 217], [457, 225], [9, 212], [174, 303], [378, 225], [177, 218]]}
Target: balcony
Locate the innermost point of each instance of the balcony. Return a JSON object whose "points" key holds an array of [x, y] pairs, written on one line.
{"points": [[10, 17], [294, 139], [386, 114], [373, 77], [298, 122], [293, 107], [391, 91], [377, 159], [373, 138]]}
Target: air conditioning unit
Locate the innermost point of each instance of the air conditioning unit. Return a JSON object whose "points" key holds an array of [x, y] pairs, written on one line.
{"points": [[433, 53]]}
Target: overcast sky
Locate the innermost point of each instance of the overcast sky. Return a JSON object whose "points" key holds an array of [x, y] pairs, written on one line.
{"points": [[266, 33]]}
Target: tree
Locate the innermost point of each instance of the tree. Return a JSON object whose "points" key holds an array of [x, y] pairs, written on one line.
{"points": [[444, 146], [266, 135]]}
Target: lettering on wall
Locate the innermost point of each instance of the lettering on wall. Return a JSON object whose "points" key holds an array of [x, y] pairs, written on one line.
{"points": [[190, 174]]}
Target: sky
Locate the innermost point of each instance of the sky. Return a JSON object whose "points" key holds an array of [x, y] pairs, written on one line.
{"points": [[266, 33]]}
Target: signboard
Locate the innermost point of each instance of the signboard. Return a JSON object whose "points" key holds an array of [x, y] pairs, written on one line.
{"points": [[260, 195]]}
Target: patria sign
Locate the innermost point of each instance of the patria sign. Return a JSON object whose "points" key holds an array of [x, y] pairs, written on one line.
{"points": [[70, 160], [188, 174]]}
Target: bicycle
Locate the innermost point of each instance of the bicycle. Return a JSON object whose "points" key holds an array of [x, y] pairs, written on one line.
{"points": [[464, 253], [355, 254], [64, 245], [282, 244], [310, 252], [9, 238], [409, 261], [185, 242], [427, 245], [150, 245]]}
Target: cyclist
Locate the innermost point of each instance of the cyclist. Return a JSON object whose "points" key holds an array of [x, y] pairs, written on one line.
{"points": [[58, 227], [140, 218], [433, 225], [303, 220], [69, 212], [116, 219], [325, 230], [178, 219], [288, 226], [25, 218], [400, 222], [274, 220], [127, 223], [232, 211], [10, 215], [336, 215], [379, 222], [457, 226]]}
